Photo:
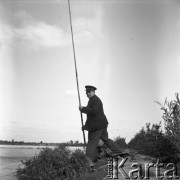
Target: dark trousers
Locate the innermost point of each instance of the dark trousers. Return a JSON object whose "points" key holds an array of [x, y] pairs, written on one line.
{"points": [[93, 139]]}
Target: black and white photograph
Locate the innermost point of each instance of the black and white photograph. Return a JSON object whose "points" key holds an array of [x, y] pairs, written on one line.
{"points": [[89, 89]]}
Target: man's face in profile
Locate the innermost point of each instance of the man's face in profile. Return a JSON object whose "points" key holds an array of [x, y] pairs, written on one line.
{"points": [[89, 93]]}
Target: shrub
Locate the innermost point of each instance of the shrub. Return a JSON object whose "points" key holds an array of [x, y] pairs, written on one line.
{"points": [[121, 142], [171, 116], [53, 164], [151, 141]]}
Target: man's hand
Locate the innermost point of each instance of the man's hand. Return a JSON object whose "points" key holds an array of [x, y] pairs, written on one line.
{"points": [[81, 107], [84, 128]]}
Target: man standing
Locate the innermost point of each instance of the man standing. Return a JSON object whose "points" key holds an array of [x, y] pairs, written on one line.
{"points": [[96, 125]]}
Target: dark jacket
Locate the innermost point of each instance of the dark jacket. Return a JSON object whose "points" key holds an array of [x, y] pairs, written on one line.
{"points": [[96, 119]]}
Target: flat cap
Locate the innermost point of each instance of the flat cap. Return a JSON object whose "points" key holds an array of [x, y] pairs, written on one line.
{"points": [[90, 88]]}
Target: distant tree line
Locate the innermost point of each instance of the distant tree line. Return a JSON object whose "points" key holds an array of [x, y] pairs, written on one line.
{"points": [[13, 142], [41, 143]]}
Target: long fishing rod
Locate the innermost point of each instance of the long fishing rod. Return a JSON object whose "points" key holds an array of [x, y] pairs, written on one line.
{"points": [[76, 69]]}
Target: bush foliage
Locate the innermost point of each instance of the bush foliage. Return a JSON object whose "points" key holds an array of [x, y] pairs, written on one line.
{"points": [[151, 141], [171, 116], [121, 142], [53, 164], [59, 164]]}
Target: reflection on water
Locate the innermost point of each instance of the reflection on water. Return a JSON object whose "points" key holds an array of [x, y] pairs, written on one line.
{"points": [[11, 156]]}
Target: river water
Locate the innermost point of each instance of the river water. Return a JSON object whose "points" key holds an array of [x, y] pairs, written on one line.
{"points": [[11, 155]]}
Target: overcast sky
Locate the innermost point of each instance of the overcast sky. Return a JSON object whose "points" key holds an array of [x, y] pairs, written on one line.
{"points": [[128, 49]]}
